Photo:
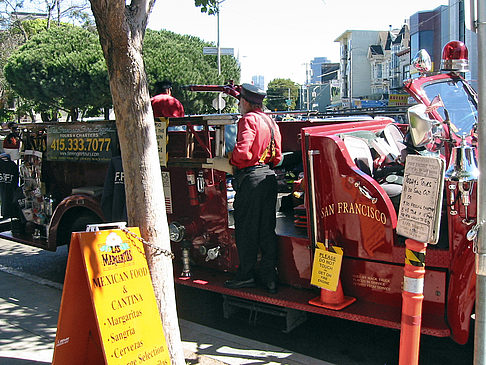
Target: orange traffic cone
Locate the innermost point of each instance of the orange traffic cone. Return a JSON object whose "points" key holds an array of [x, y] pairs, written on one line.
{"points": [[332, 299]]}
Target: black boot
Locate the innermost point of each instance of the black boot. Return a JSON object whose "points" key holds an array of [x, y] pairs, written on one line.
{"points": [[238, 284]]}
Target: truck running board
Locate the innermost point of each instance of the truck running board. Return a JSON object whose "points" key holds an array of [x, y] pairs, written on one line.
{"points": [[292, 317], [298, 299]]}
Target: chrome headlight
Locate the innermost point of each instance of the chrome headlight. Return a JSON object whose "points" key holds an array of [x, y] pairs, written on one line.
{"points": [[176, 232]]}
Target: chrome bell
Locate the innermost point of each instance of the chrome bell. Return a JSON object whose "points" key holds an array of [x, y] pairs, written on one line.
{"points": [[462, 164]]}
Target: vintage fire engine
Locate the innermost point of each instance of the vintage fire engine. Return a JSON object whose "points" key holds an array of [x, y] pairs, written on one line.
{"points": [[340, 185]]}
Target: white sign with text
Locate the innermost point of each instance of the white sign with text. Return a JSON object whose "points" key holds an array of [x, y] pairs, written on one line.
{"points": [[421, 200]]}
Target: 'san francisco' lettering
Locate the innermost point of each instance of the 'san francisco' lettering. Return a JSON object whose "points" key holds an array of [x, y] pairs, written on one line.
{"points": [[354, 208]]}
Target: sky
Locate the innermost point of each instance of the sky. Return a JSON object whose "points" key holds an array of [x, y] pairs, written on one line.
{"points": [[276, 38]]}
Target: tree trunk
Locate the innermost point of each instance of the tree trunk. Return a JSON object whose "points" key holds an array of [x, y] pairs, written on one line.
{"points": [[121, 29]]}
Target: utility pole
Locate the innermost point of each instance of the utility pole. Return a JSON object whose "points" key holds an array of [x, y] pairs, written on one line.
{"points": [[220, 101], [217, 43], [307, 66], [480, 322], [289, 101], [350, 78]]}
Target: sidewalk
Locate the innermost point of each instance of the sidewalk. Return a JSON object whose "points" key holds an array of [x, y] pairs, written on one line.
{"points": [[29, 309]]}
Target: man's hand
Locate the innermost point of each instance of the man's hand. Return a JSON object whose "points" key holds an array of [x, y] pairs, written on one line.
{"points": [[222, 164]]}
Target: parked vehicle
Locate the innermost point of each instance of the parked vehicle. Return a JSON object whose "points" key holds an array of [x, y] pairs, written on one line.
{"points": [[340, 184]]}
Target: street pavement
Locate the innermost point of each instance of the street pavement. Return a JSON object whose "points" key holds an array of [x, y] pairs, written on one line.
{"points": [[29, 308]]}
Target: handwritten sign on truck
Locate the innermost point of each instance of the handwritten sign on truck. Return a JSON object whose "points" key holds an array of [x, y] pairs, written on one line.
{"points": [[421, 199]]}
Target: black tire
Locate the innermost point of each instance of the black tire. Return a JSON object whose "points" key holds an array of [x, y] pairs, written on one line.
{"points": [[80, 223]]}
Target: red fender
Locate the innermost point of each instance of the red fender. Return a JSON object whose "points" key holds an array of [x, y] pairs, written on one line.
{"points": [[78, 200], [462, 292]]}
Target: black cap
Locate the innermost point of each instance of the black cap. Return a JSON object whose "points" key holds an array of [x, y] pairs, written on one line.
{"points": [[252, 93], [165, 84], [162, 86]]}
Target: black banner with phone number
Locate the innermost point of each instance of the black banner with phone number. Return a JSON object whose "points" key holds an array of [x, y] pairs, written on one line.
{"points": [[81, 142]]}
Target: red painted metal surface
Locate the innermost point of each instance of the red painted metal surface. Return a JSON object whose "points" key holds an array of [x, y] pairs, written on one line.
{"points": [[362, 311], [372, 269], [347, 217]]}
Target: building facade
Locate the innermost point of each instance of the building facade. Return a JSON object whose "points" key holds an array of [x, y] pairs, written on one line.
{"points": [[356, 71], [259, 81], [429, 31], [316, 69], [375, 64]]}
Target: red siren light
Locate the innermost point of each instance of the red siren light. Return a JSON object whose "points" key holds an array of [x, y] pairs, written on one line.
{"points": [[455, 57]]}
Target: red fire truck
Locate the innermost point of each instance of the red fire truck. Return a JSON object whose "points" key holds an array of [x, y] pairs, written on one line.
{"points": [[340, 185]]}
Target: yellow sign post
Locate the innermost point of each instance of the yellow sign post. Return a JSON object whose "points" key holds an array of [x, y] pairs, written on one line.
{"points": [[108, 310]]}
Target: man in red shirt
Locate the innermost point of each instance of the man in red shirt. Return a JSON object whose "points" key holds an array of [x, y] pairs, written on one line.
{"points": [[164, 104], [257, 151]]}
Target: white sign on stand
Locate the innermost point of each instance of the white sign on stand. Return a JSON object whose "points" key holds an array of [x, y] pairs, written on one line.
{"points": [[421, 199]]}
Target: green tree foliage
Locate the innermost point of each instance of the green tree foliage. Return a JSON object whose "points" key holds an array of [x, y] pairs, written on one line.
{"points": [[278, 91], [9, 41], [14, 34], [179, 58], [208, 6], [62, 67]]}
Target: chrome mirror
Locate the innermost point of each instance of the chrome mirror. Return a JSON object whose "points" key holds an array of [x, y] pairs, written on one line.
{"points": [[422, 62], [423, 130]]}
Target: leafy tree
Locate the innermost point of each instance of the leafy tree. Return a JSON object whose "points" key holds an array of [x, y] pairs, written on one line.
{"points": [[209, 6], [57, 69], [9, 41], [59, 10], [279, 91], [16, 29], [61, 68], [179, 58], [13, 13], [13, 34], [8, 15]]}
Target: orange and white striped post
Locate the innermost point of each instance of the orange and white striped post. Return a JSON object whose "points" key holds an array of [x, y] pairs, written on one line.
{"points": [[413, 296]]}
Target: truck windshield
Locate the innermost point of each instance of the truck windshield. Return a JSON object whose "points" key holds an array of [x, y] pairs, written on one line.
{"points": [[461, 107]]}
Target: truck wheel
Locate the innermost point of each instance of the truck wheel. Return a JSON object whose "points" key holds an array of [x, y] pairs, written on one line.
{"points": [[80, 223]]}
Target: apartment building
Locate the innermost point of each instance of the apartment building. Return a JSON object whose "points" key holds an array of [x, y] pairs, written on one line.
{"points": [[356, 69]]}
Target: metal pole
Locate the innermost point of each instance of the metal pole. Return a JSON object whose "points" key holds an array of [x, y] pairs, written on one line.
{"points": [[219, 48], [301, 91], [312, 195], [350, 79], [308, 98], [219, 61], [480, 322], [307, 82]]}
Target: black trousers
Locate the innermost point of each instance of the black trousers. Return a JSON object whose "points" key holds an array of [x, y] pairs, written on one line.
{"points": [[255, 219]]}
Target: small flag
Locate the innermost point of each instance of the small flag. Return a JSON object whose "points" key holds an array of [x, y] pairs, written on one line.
{"points": [[435, 104]]}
